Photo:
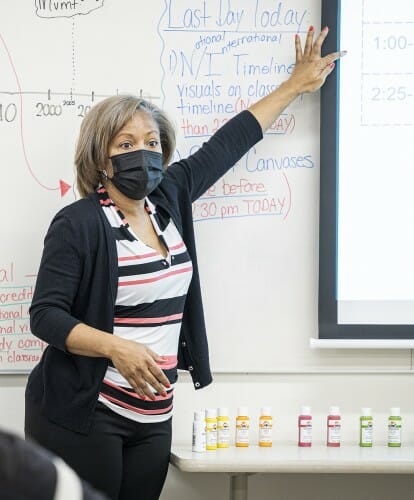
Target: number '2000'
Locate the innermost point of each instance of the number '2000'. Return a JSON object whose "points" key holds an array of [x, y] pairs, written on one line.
{"points": [[45, 109]]}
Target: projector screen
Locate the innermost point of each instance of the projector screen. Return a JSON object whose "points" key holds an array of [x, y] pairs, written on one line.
{"points": [[367, 172]]}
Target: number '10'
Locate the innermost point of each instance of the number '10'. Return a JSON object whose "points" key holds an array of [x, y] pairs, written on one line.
{"points": [[8, 113]]}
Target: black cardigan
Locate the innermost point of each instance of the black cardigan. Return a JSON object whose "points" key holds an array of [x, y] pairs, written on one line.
{"points": [[77, 280]]}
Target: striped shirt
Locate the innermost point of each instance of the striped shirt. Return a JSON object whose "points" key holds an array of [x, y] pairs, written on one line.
{"points": [[148, 308]]}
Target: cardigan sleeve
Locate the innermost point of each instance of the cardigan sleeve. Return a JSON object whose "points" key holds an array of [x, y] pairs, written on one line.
{"points": [[202, 169], [57, 284]]}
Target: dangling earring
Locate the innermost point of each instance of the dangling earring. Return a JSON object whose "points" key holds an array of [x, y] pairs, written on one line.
{"points": [[104, 174]]}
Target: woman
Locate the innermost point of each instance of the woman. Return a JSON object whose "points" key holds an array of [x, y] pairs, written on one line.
{"points": [[117, 296]]}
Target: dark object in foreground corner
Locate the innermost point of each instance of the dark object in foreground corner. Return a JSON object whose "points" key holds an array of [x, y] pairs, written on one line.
{"points": [[28, 472]]}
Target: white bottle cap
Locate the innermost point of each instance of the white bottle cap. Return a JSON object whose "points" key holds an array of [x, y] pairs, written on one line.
{"points": [[199, 415], [243, 411], [211, 413], [366, 412], [266, 411], [334, 410], [394, 412], [305, 410], [223, 412]]}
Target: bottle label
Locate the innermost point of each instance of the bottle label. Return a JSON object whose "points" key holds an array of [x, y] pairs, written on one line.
{"points": [[265, 431], [223, 433], [394, 431], [366, 431], [211, 434], [242, 432], [305, 431], [199, 437], [334, 431]]}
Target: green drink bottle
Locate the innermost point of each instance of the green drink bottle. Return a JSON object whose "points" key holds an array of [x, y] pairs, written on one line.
{"points": [[366, 424]]}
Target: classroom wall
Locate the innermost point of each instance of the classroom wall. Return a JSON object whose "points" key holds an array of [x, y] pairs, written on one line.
{"points": [[286, 391], [297, 375]]}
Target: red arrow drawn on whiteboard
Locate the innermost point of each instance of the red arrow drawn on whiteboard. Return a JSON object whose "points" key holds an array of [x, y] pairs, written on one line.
{"points": [[63, 186]]}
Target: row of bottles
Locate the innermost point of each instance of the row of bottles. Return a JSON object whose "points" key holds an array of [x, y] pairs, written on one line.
{"points": [[211, 428], [333, 427], [367, 425]]}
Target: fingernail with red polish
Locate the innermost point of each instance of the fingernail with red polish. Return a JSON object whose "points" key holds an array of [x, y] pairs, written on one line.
{"points": [[310, 28], [332, 65]]}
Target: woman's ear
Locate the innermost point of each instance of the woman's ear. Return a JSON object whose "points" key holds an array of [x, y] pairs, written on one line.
{"points": [[108, 170]]}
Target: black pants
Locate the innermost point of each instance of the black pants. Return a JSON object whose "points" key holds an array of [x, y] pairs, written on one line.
{"points": [[126, 460]]}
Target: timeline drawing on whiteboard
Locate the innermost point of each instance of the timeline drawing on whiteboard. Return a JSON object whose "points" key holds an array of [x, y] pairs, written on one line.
{"points": [[51, 104]]}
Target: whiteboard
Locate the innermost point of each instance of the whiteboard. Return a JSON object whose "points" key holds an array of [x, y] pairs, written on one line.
{"points": [[202, 62]]}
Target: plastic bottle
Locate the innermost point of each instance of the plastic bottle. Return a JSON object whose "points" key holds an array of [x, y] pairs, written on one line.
{"points": [[366, 424], [333, 431], [242, 427], [223, 428], [265, 426], [211, 429], [305, 427], [199, 432], [394, 428]]}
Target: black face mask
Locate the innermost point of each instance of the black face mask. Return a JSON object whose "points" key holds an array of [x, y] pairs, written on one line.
{"points": [[137, 173]]}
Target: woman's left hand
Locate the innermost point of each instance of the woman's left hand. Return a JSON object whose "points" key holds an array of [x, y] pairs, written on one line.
{"points": [[308, 75]]}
